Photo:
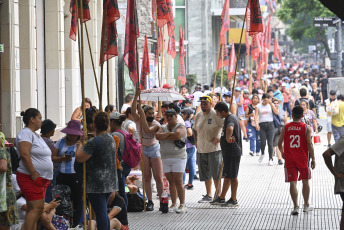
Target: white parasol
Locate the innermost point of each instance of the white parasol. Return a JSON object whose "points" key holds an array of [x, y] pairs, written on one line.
{"points": [[160, 94]]}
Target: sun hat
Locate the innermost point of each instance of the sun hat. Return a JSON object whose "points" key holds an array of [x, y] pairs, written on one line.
{"points": [[73, 128], [47, 126]]}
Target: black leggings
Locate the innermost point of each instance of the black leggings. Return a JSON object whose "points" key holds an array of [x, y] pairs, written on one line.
{"points": [[342, 196], [266, 133], [76, 193]]}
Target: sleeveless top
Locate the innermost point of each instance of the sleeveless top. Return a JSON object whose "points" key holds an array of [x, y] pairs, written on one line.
{"points": [[295, 145], [240, 108], [168, 149], [148, 139]]}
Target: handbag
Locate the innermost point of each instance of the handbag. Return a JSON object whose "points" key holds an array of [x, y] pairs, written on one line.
{"points": [[180, 144]]}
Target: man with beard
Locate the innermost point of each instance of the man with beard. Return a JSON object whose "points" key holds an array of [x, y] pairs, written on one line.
{"points": [[207, 133]]}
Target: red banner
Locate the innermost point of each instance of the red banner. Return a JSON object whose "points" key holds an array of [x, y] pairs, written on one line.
{"points": [[267, 36], [163, 12], [254, 18], [231, 70], [225, 24], [170, 24], [181, 73], [131, 33], [255, 47], [145, 69], [277, 52], [171, 50], [112, 12], [160, 38], [247, 44], [223, 59], [74, 22]]}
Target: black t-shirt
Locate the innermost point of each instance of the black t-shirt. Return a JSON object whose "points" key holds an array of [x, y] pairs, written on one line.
{"points": [[324, 83], [122, 216], [310, 102], [316, 95], [250, 111], [231, 149]]}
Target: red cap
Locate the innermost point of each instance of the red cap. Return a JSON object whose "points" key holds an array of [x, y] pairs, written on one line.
{"points": [[167, 86]]}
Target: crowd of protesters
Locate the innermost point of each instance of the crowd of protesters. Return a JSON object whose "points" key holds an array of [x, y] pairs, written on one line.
{"points": [[203, 134]]}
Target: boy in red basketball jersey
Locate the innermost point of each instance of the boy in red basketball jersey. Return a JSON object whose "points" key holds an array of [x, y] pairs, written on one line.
{"points": [[297, 144]]}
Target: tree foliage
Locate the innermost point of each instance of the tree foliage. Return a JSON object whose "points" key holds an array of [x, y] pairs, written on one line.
{"points": [[191, 81], [299, 14], [218, 78]]}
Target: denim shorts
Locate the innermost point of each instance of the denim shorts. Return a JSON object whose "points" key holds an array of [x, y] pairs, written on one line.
{"points": [[152, 151]]}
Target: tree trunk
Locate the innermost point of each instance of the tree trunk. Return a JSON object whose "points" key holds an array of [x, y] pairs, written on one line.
{"points": [[321, 38]]}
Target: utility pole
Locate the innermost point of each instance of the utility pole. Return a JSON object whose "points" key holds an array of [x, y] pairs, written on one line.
{"points": [[339, 46]]}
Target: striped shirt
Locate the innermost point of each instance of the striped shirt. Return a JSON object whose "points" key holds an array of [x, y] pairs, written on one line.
{"points": [[66, 167]]}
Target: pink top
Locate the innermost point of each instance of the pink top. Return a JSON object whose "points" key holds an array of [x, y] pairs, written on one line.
{"points": [[286, 96], [147, 138]]}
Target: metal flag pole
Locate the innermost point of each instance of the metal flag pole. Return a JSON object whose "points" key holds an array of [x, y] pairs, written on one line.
{"points": [[102, 59]]}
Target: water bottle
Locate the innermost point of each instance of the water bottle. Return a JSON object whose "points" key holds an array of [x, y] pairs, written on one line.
{"points": [[164, 203]]}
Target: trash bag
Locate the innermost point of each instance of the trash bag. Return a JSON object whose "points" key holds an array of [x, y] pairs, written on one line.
{"points": [[63, 192]]}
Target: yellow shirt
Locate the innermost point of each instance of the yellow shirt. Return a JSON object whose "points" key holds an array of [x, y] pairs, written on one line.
{"points": [[338, 120]]}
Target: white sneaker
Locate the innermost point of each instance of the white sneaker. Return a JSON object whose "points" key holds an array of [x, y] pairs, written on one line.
{"points": [[271, 162], [261, 158], [173, 208], [307, 208], [295, 211], [182, 209], [258, 154]]}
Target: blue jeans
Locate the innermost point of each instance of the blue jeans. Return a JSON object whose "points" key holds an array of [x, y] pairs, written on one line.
{"points": [[286, 107], [337, 132], [122, 175], [99, 203], [253, 136], [191, 164]]}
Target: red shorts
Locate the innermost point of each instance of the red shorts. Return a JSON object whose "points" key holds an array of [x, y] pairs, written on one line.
{"points": [[32, 190], [292, 174]]}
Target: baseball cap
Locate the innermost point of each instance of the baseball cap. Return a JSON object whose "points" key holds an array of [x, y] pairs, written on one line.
{"points": [[237, 89], [227, 94], [187, 111], [333, 92], [307, 79], [284, 84], [205, 98], [171, 111], [115, 116], [167, 86], [246, 91]]}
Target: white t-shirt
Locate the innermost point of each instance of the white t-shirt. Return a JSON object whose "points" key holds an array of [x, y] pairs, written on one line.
{"points": [[40, 154], [124, 108], [66, 167], [196, 95], [265, 113]]}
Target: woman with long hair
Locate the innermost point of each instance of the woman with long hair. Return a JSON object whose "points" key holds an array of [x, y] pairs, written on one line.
{"points": [[253, 133]]}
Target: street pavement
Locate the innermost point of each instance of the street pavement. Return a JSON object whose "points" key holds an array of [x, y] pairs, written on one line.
{"points": [[263, 198]]}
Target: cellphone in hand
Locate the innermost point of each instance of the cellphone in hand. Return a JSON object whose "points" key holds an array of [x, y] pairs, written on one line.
{"points": [[58, 198]]}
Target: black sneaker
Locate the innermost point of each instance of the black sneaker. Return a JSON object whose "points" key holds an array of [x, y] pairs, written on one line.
{"points": [[230, 203], [205, 199], [329, 145], [280, 162], [150, 206], [218, 201], [189, 187], [196, 177]]}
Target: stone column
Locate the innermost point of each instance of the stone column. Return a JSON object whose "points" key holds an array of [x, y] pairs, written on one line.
{"points": [[10, 68]]}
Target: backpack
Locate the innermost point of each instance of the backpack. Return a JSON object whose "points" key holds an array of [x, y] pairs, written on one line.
{"points": [[15, 158], [135, 203], [63, 193], [132, 155]]}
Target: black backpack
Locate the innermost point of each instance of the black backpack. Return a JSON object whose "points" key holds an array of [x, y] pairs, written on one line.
{"points": [[62, 192], [135, 203], [15, 158]]}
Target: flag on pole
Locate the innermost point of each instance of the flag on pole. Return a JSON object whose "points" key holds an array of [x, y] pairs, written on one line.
{"points": [[223, 59], [254, 18], [247, 44], [160, 38], [85, 14], [267, 36], [110, 33], [131, 33], [171, 50], [255, 47], [225, 18], [277, 52], [231, 70], [181, 73], [163, 12], [170, 24], [145, 69]]}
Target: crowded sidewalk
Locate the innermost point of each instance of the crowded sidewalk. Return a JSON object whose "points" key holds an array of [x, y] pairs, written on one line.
{"points": [[264, 200]]}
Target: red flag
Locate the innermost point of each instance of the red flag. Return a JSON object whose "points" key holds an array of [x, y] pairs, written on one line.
{"points": [[260, 66], [255, 47], [277, 52], [225, 18], [254, 18], [110, 34], [170, 24], [85, 14], [267, 36], [171, 50], [131, 33], [181, 73], [160, 38], [145, 69], [247, 44], [223, 55], [163, 12], [231, 70]]}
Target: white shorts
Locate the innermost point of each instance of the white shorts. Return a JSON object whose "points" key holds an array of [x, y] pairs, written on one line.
{"points": [[173, 165]]}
